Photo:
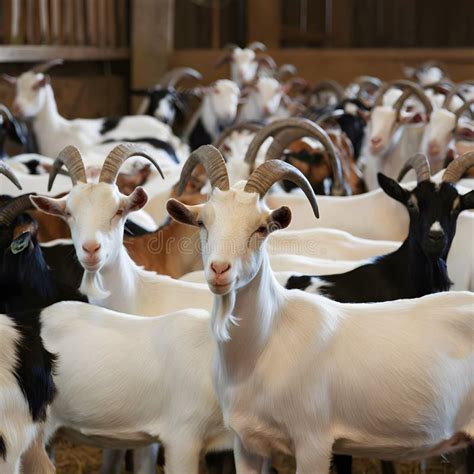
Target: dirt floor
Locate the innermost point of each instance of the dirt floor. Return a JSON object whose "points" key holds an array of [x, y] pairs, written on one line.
{"points": [[75, 459]]}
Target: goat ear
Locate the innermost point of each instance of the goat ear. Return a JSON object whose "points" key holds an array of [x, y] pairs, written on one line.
{"points": [[279, 219], [182, 213], [467, 200], [41, 83], [393, 189], [55, 207], [136, 200], [16, 132]]}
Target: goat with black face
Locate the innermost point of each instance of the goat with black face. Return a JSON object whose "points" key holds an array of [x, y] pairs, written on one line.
{"points": [[418, 267]]}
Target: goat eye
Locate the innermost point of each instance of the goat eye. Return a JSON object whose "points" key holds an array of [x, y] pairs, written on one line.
{"points": [[201, 225], [119, 212], [262, 229]]}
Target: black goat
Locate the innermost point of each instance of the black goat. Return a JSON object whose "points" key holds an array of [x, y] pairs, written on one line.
{"points": [[10, 129], [418, 267]]}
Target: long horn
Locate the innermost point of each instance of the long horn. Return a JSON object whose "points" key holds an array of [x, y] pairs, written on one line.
{"points": [[400, 84], [214, 164], [266, 61], [246, 126], [456, 90], [458, 167], [7, 112], [224, 59], [364, 81], [171, 78], [117, 157], [414, 89], [329, 85], [14, 208], [7, 171], [466, 106], [257, 46], [72, 159], [286, 131], [43, 67], [270, 172], [420, 164]]}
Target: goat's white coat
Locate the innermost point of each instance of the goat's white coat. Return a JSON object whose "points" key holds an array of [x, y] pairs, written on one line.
{"points": [[299, 373], [153, 381]]}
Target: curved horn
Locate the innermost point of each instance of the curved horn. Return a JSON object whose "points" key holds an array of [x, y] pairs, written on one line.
{"points": [[43, 67], [224, 59], [14, 208], [400, 84], [210, 157], [329, 85], [267, 61], [270, 172], [289, 69], [72, 159], [372, 81], [171, 78], [257, 46], [286, 131], [466, 106], [420, 164], [249, 126], [413, 89], [458, 167], [8, 172], [117, 157], [456, 90], [7, 112]]}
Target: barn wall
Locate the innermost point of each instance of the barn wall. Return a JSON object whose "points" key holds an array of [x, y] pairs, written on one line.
{"points": [[340, 64]]}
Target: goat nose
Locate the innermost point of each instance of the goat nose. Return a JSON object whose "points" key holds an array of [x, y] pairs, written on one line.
{"points": [[16, 109], [435, 235], [376, 140], [220, 267], [91, 247]]}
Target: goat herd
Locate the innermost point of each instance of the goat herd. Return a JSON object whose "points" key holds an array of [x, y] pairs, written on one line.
{"points": [[214, 333]]}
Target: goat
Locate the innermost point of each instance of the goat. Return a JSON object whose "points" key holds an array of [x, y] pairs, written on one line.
{"points": [[11, 129], [35, 99], [326, 92], [163, 101], [111, 279], [367, 359], [418, 267], [445, 121], [364, 90], [426, 73], [388, 143], [217, 111], [244, 63], [26, 367]]}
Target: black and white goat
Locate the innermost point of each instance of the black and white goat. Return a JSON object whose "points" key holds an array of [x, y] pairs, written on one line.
{"points": [[163, 101], [418, 267], [26, 367]]}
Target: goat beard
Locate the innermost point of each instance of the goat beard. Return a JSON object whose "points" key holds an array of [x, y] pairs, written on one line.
{"points": [[222, 317], [92, 287]]}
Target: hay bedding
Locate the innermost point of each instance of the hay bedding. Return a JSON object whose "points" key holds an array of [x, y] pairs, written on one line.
{"points": [[78, 459]]}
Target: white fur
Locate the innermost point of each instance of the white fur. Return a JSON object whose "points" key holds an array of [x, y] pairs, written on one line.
{"points": [[263, 101], [138, 380], [243, 68], [299, 373]]}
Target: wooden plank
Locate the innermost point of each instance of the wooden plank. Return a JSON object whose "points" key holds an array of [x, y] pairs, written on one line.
{"points": [[150, 52], [55, 21], [342, 64], [102, 22], [30, 22], [79, 21], [122, 23], [91, 13], [15, 54], [342, 20], [16, 30], [111, 23], [44, 21], [263, 21]]}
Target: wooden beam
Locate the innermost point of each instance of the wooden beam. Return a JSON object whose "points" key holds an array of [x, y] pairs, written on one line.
{"points": [[341, 23], [152, 41], [264, 22], [18, 54]]}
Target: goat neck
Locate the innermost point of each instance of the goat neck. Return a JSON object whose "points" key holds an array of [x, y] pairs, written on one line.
{"points": [[253, 309]]}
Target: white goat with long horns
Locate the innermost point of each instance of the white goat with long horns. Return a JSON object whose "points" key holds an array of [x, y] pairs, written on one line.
{"points": [[305, 375]]}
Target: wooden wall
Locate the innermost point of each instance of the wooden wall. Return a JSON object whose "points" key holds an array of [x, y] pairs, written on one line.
{"points": [[341, 64]]}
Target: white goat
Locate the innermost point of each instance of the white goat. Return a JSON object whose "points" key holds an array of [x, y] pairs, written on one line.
{"points": [[35, 99], [305, 375], [390, 139], [158, 389]]}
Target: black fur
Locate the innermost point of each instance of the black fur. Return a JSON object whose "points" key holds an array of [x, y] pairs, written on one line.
{"points": [[3, 448], [35, 365], [109, 124], [199, 136], [418, 267], [154, 142]]}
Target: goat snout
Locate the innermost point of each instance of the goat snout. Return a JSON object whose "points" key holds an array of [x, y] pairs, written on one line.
{"points": [[435, 236], [433, 148], [376, 141], [219, 268], [91, 247]]}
